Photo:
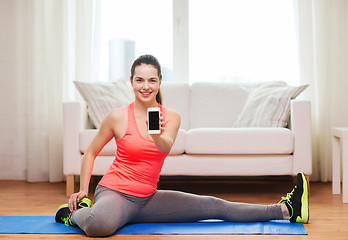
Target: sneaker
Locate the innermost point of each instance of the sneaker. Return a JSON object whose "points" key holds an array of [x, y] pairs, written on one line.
{"points": [[63, 214], [297, 200]]}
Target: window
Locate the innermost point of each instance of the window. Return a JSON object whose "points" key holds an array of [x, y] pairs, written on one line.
{"points": [[242, 40], [228, 40], [130, 29]]}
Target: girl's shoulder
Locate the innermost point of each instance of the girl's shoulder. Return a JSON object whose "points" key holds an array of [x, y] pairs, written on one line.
{"points": [[117, 114], [170, 113]]}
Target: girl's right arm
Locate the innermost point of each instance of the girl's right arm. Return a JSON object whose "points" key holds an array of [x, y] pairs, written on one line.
{"points": [[104, 135]]}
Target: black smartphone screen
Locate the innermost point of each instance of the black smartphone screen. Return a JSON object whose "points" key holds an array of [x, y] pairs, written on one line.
{"points": [[154, 120]]}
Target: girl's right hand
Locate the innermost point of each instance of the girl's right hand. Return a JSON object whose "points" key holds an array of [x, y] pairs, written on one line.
{"points": [[74, 198]]}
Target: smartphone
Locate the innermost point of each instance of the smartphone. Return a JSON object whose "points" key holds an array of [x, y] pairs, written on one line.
{"points": [[153, 116]]}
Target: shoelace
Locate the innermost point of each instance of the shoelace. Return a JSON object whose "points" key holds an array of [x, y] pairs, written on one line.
{"points": [[83, 203], [287, 200], [288, 196], [67, 221]]}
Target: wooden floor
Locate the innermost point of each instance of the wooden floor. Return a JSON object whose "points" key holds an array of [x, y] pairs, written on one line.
{"points": [[328, 215]]}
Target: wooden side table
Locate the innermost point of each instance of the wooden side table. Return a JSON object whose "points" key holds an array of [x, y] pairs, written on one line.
{"points": [[340, 152]]}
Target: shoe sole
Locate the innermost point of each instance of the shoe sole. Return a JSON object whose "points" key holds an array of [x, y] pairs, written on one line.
{"points": [[62, 206], [86, 201], [304, 200]]}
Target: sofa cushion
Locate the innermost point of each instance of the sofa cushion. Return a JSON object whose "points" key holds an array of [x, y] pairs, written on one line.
{"points": [[179, 144], [268, 105], [86, 137], [239, 141], [216, 104], [101, 97], [228, 165], [176, 95]]}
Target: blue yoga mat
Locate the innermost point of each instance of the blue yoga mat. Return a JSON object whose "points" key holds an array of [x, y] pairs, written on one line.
{"points": [[47, 225]]}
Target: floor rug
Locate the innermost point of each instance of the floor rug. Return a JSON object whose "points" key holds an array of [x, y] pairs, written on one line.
{"points": [[47, 225]]}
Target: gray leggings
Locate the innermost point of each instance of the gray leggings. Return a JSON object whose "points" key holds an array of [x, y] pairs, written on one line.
{"points": [[113, 209]]}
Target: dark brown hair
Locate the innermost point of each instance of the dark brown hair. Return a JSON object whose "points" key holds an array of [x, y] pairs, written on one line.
{"points": [[149, 60]]}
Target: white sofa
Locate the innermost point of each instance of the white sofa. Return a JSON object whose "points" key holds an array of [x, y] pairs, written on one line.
{"points": [[207, 143]]}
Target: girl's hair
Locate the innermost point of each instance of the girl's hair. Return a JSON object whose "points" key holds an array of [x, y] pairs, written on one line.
{"points": [[149, 60]]}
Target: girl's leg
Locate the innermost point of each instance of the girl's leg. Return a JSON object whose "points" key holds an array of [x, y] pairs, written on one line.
{"points": [[110, 212], [174, 206]]}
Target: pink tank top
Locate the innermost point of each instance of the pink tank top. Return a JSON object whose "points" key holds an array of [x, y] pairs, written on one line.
{"points": [[138, 163]]}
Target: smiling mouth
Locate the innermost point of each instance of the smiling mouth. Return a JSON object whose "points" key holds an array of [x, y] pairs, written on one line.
{"points": [[145, 93]]}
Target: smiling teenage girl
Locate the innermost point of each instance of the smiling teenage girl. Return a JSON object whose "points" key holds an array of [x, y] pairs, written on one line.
{"points": [[128, 190]]}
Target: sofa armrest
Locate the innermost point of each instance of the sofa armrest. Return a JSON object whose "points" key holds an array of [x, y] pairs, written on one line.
{"points": [[301, 126], [72, 126]]}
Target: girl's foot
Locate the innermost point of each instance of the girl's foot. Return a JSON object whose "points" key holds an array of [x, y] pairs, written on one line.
{"points": [[63, 214], [297, 200]]}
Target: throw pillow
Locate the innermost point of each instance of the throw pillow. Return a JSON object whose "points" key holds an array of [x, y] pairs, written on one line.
{"points": [[268, 105], [101, 97]]}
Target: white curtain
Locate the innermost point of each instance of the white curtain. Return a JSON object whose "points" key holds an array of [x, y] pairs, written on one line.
{"points": [[322, 28], [45, 44]]}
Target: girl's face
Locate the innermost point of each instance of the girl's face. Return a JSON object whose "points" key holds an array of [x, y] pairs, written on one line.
{"points": [[145, 82]]}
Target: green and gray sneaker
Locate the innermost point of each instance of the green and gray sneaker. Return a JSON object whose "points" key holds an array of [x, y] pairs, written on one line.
{"points": [[63, 214], [297, 200]]}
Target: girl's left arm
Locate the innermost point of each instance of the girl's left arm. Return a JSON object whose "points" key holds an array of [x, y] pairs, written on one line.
{"points": [[169, 130]]}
